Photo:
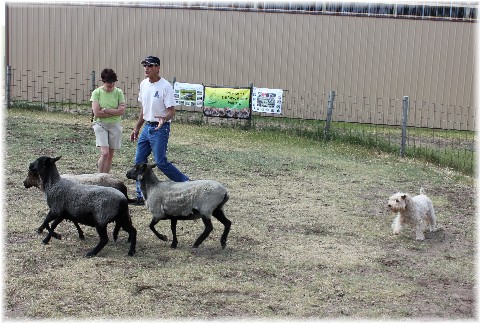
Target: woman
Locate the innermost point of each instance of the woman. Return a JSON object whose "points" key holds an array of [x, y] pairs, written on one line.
{"points": [[108, 105]]}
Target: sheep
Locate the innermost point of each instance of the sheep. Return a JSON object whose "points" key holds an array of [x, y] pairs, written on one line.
{"points": [[174, 201], [100, 179], [33, 180], [91, 205]]}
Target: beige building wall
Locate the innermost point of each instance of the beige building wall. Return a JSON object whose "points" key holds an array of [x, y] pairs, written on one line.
{"points": [[371, 63]]}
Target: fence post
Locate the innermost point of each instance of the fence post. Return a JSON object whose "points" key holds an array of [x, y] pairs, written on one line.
{"points": [[249, 120], [93, 89], [93, 80], [331, 100], [9, 84], [404, 125]]}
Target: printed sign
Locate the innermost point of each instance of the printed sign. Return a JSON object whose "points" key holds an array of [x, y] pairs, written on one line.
{"points": [[227, 102], [267, 100], [188, 94]]}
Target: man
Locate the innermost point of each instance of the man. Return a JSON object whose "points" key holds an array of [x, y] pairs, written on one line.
{"points": [[157, 108]]}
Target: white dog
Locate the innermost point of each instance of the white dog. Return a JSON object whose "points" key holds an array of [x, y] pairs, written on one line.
{"points": [[415, 211]]}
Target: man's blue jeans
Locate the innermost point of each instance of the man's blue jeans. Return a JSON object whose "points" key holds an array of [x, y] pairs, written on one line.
{"points": [[156, 141]]}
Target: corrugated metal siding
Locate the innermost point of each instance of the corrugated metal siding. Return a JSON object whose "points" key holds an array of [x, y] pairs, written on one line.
{"points": [[367, 61]]}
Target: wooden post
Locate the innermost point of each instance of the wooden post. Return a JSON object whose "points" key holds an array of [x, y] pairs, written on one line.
{"points": [[94, 83], [249, 121], [331, 100], [8, 84], [404, 125]]}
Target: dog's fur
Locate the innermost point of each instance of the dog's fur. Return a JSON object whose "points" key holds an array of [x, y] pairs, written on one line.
{"points": [[416, 211]]}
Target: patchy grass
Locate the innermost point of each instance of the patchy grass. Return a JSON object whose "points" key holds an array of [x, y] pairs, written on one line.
{"points": [[444, 148], [310, 238]]}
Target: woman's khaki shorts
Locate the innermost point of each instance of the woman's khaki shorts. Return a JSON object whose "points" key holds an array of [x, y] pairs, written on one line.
{"points": [[108, 134]]}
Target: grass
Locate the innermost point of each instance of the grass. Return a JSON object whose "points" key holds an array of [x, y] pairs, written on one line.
{"points": [[445, 148], [310, 238]]}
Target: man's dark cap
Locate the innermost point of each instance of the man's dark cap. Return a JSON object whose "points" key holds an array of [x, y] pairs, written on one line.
{"points": [[151, 60]]}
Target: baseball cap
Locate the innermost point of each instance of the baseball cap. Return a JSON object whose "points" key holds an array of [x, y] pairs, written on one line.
{"points": [[151, 60]]}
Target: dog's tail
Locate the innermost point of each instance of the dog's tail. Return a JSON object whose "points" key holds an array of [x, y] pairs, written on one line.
{"points": [[422, 191]]}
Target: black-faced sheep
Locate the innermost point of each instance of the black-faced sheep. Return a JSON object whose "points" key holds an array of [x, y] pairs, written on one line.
{"points": [[182, 201], [34, 180], [91, 205], [100, 179]]}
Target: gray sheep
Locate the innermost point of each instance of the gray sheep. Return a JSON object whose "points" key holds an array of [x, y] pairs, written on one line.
{"points": [[182, 201], [91, 205], [100, 179]]}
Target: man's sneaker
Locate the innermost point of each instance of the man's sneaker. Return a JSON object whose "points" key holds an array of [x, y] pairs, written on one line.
{"points": [[139, 201]]}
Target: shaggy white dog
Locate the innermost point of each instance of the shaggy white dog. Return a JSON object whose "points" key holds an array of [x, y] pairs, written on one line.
{"points": [[416, 211]]}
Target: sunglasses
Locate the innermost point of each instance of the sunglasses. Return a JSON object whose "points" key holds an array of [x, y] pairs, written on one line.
{"points": [[149, 65]]}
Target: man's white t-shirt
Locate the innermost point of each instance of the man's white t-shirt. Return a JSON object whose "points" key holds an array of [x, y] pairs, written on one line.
{"points": [[155, 98]]}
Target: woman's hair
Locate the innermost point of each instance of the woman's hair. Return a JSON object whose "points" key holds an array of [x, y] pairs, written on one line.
{"points": [[108, 75]]}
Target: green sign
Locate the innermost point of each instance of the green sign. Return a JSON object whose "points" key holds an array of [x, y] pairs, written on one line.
{"points": [[227, 102]]}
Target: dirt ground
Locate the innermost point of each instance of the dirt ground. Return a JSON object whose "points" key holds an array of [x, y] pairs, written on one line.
{"points": [[311, 234]]}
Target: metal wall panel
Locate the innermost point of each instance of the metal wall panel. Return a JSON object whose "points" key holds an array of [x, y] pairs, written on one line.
{"points": [[367, 61]]}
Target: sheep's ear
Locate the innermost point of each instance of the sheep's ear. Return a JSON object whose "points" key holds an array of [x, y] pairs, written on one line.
{"points": [[404, 196], [153, 166], [56, 159]]}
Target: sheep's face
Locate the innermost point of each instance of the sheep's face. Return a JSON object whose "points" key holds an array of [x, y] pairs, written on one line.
{"points": [[39, 165], [139, 170], [32, 180]]}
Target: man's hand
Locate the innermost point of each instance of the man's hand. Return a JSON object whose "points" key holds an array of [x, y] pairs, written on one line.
{"points": [[161, 121], [134, 135]]}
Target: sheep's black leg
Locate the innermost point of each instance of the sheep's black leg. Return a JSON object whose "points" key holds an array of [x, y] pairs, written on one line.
{"points": [[205, 233], [54, 225], [51, 230], [49, 234], [80, 232], [54, 234], [173, 225], [220, 216], [152, 227], [115, 231], [132, 236], [58, 236], [41, 228], [102, 233]]}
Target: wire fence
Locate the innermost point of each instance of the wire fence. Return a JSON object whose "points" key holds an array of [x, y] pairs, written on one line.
{"points": [[438, 133]]}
